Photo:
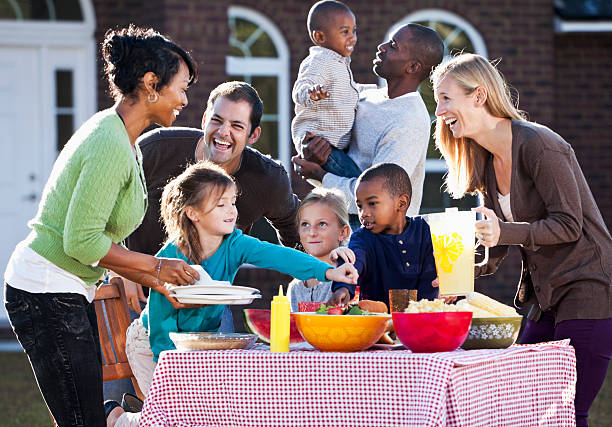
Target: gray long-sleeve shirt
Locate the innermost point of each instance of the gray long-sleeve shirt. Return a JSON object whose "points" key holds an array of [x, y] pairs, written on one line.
{"points": [[297, 291], [388, 130]]}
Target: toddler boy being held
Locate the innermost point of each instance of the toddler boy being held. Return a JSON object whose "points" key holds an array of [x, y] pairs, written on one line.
{"points": [[392, 251], [325, 94]]}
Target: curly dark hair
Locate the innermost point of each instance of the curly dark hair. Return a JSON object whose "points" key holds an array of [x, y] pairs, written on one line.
{"points": [[130, 53]]}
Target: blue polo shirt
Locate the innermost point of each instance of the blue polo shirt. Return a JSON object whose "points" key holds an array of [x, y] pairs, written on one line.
{"points": [[393, 261]]}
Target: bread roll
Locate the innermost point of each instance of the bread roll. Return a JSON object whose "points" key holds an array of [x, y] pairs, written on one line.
{"points": [[373, 306]]}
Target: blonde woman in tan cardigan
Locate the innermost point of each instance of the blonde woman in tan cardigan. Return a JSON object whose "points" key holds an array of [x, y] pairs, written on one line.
{"points": [[535, 197]]}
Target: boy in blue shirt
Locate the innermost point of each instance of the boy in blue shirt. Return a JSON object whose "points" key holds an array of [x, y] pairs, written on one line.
{"points": [[392, 251]]}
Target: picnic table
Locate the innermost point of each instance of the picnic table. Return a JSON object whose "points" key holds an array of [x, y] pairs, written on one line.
{"points": [[521, 385]]}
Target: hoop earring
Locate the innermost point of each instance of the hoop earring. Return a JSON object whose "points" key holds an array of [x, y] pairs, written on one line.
{"points": [[153, 99]]}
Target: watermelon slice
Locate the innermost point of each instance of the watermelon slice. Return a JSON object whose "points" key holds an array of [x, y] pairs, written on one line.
{"points": [[258, 322], [309, 306]]}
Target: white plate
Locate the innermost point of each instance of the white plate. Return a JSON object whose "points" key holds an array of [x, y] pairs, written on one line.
{"points": [[216, 299], [213, 290], [204, 276]]}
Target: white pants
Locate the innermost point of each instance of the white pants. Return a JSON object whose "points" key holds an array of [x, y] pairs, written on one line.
{"points": [[140, 357]]}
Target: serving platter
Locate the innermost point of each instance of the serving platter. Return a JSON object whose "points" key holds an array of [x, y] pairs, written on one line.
{"points": [[198, 341]]}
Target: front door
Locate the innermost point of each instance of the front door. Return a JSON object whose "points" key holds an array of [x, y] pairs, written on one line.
{"points": [[46, 93], [21, 144]]}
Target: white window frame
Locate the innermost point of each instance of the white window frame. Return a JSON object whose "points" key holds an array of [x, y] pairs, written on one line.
{"points": [[272, 67], [435, 15], [563, 26]]}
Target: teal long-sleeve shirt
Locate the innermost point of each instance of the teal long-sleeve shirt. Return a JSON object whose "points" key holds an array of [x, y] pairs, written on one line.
{"points": [[161, 318]]}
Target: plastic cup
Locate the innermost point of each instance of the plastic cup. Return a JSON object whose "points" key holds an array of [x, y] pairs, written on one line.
{"points": [[400, 298]]}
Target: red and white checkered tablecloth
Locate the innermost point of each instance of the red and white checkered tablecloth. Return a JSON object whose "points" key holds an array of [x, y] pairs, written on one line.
{"points": [[524, 385], [372, 388]]}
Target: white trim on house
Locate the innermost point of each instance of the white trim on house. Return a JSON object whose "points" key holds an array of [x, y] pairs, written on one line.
{"points": [[562, 26], [445, 16], [277, 67]]}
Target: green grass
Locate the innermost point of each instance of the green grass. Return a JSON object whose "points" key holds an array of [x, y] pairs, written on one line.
{"points": [[22, 405], [600, 414]]}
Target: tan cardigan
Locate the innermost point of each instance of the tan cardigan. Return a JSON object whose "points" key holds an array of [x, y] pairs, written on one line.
{"points": [[565, 245]]}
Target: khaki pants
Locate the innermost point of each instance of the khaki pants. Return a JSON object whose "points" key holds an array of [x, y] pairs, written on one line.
{"points": [[140, 357]]}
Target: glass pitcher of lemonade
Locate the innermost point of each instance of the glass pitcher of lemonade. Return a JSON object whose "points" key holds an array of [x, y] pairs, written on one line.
{"points": [[454, 243]]}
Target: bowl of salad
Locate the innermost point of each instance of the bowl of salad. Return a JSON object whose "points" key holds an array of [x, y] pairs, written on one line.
{"points": [[342, 329]]}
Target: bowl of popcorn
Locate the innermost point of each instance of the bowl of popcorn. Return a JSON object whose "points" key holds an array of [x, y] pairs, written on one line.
{"points": [[494, 325], [432, 326]]}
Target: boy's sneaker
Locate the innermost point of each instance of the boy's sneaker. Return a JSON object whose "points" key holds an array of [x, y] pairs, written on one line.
{"points": [[131, 403]]}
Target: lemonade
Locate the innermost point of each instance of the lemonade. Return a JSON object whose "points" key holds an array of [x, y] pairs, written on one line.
{"points": [[452, 235]]}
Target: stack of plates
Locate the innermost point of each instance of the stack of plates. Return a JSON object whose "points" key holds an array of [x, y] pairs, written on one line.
{"points": [[215, 293]]}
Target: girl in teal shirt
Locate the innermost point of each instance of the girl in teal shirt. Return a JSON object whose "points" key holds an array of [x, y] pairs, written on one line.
{"points": [[199, 212]]}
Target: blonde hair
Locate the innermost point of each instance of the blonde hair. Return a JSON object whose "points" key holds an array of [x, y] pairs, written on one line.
{"points": [[196, 186], [333, 199], [464, 157]]}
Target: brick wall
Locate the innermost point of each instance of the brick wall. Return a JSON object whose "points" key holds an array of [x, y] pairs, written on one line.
{"points": [[563, 80], [583, 107], [519, 31], [119, 14]]}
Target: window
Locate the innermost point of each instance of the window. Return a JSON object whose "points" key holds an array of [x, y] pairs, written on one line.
{"points": [[41, 10], [260, 56], [458, 36], [583, 16], [64, 107], [584, 9]]}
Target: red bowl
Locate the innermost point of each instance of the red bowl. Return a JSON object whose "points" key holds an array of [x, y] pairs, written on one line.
{"points": [[432, 332]]}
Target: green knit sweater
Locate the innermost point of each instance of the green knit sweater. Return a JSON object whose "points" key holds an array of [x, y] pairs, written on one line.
{"points": [[96, 195]]}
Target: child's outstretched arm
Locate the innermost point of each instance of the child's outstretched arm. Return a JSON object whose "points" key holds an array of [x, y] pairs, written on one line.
{"points": [[289, 261], [309, 78], [344, 253], [341, 296], [318, 93], [346, 273]]}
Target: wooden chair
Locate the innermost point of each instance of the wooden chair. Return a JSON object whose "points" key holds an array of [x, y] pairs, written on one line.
{"points": [[111, 298]]}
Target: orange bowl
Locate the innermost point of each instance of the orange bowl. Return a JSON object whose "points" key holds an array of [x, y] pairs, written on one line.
{"points": [[341, 332], [432, 332]]}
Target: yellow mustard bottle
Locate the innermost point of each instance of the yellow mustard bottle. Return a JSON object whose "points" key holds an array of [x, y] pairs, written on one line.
{"points": [[279, 323]]}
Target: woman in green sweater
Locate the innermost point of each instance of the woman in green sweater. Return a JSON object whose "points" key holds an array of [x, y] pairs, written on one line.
{"points": [[94, 198]]}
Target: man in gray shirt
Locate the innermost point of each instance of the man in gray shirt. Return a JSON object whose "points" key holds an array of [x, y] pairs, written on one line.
{"points": [[392, 123]]}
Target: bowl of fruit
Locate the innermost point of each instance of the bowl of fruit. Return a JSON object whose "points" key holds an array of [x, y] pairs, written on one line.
{"points": [[342, 329]]}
